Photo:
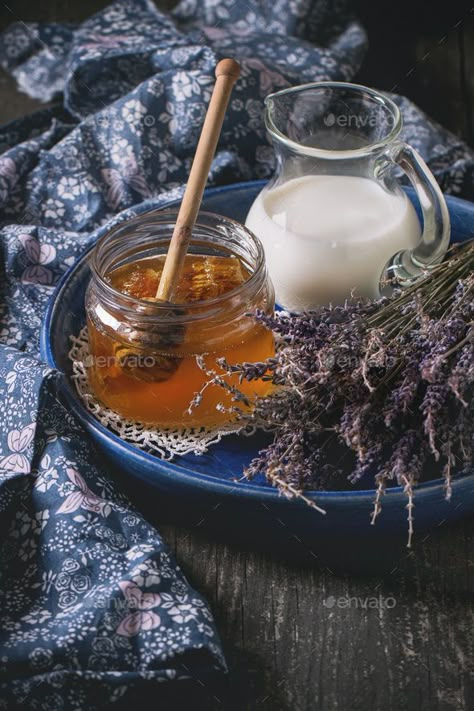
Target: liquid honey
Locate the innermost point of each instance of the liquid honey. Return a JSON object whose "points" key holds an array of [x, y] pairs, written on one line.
{"points": [[155, 384]]}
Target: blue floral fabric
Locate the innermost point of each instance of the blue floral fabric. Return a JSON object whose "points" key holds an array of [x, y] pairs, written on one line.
{"points": [[91, 601]]}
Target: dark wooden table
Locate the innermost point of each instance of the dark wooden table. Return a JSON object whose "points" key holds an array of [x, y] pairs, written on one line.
{"points": [[299, 632]]}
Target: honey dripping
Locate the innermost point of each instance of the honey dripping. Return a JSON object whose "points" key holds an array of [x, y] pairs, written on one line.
{"points": [[156, 385]]}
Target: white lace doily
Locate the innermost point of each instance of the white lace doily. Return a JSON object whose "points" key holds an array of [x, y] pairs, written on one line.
{"points": [[166, 443]]}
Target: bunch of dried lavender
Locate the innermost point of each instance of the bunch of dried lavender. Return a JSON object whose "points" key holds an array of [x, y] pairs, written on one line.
{"points": [[388, 382]]}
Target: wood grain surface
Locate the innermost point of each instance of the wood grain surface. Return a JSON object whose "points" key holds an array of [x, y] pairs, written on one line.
{"points": [[300, 633]]}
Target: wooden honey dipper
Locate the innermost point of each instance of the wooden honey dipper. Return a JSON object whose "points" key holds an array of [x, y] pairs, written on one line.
{"points": [[227, 73]]}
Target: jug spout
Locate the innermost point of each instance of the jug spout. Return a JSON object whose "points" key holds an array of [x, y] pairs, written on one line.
{"points": [[327, 119]]}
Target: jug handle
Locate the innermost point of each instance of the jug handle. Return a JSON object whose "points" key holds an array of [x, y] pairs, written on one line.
{"points": [[406, 266]]}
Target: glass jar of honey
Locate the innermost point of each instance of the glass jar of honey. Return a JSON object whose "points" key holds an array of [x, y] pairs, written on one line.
{"points": [[148, 359]]}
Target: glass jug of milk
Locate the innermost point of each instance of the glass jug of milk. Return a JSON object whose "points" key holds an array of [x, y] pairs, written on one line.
{"points": [[334, 221]]}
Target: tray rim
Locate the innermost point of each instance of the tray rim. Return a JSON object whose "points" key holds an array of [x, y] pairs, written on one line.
{"points": [[242, 489]]}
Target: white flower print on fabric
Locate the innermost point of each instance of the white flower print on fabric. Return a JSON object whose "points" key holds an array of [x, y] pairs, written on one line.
{"points": [[182, 86], [122, 152], [41, 657], [145, 575], [182, 612], [48, 476], [185, 85], [53, 209], [168, 117], [139, 551], [69, 188], [133, 113]]}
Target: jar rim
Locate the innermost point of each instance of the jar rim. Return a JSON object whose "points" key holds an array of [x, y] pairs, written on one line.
{"points": [[157, 216]]}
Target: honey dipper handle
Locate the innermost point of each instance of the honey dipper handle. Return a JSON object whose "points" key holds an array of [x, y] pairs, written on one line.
{"points": [[227, 73]]}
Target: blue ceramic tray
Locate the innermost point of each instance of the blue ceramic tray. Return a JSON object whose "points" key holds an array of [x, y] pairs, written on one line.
{"points": [[209, 480]]}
